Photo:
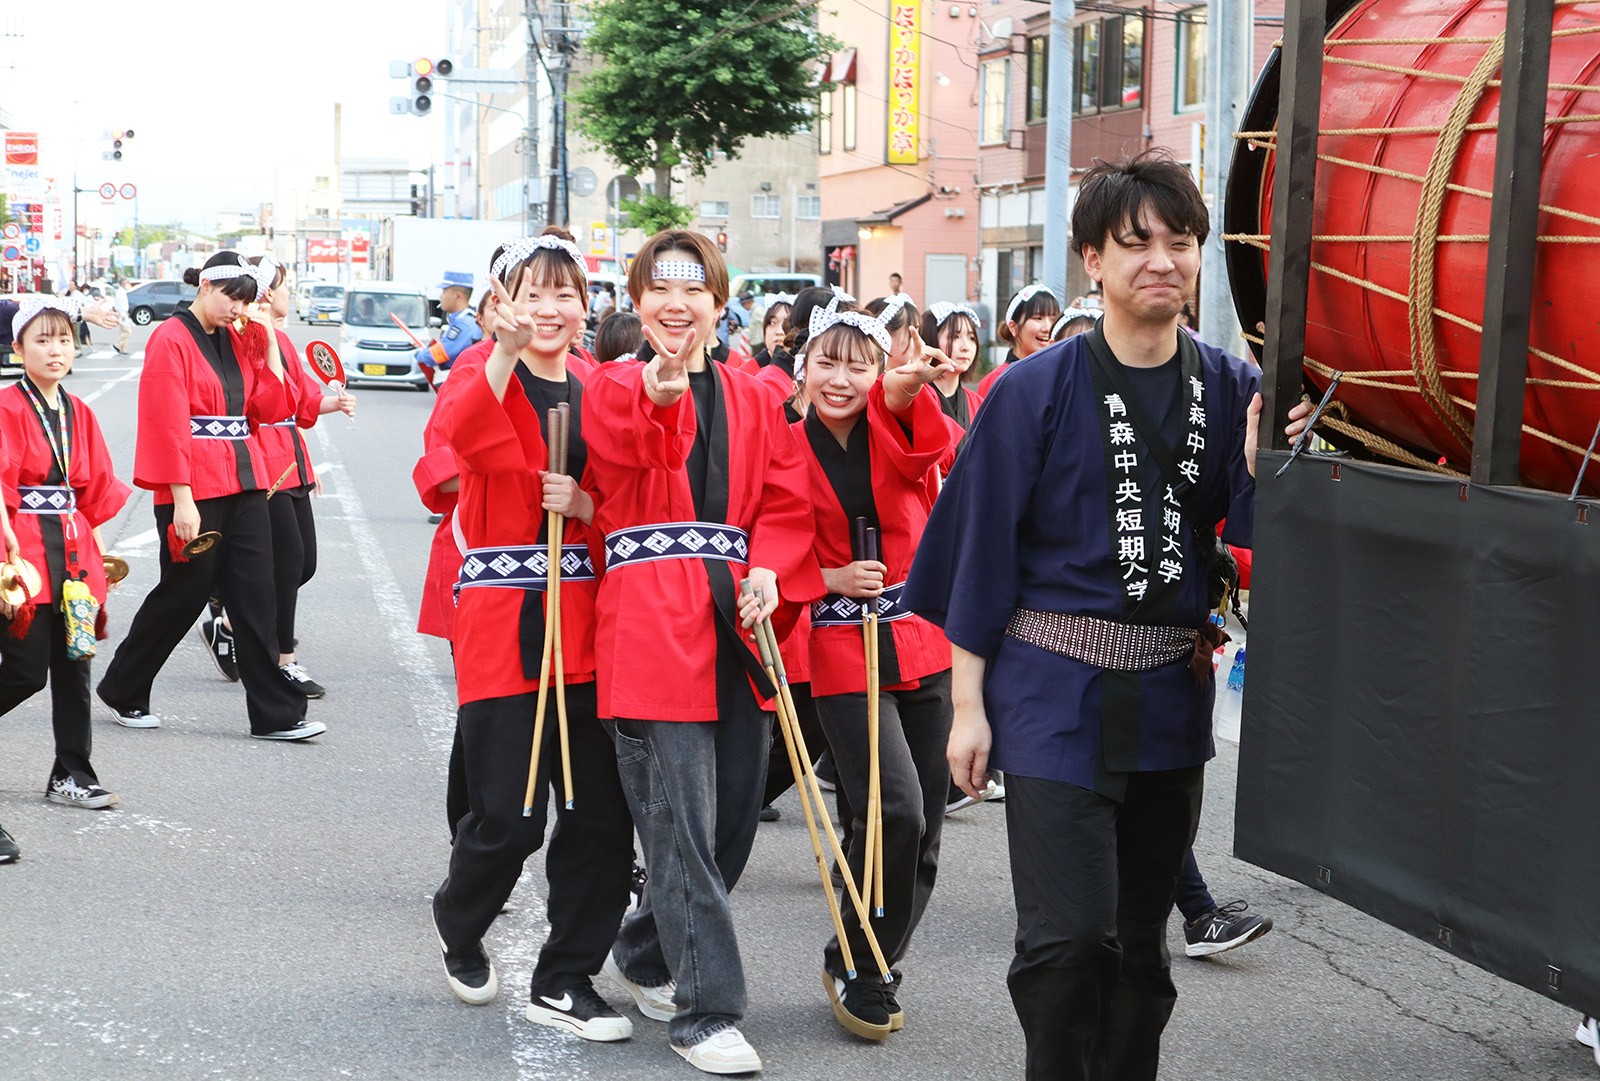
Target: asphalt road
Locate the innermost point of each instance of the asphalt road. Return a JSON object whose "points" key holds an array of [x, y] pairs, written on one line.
{"points": [[257, 910]]}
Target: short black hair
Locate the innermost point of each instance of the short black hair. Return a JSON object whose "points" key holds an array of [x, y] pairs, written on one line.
{"points": [[1117, 195]]}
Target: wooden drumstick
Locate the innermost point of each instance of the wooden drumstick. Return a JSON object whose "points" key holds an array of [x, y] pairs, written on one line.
{"points": [[558, 529], [869, 626], [552, 628]]}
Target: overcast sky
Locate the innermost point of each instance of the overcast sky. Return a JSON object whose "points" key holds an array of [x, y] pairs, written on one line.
{"points": [[176, 72]]}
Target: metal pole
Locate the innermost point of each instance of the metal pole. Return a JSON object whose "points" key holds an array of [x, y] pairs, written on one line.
{"points": [[1294, 184], [138, 252], [1513, 225], [1058, 161], [530, 138], [1229, 26]]}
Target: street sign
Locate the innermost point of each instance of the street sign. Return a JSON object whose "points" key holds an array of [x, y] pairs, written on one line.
{"points": [[127, 191], [33, 245], [400, 106], [12, 253], [108, 190], [108, 155], [584, 181], [11, 230]]}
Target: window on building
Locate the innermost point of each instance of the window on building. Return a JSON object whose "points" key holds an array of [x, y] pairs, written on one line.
{"points": [[993, 123], [1191, 89], [1110, 55], [808, 207], [714, 208], [1038, 78], [825, 121], [847, 117], [766, 205]]}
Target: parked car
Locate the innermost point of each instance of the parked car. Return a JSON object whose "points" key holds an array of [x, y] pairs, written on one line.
{"points": [[373, 347], [326, 304], [302, 297], [158, 300], [764, 284]]}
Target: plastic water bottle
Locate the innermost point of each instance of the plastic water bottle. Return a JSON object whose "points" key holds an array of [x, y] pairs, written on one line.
{"points": [[1236, 673]]}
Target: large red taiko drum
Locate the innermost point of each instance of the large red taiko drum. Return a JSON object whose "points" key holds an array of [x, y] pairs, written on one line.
{"points": [[1410, 98]]}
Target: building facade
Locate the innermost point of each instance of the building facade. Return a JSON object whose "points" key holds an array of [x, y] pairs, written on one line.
{"points": [[897, 149]]}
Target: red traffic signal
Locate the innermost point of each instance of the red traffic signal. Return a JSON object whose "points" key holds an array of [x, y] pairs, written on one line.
{"points": [[722, 241]]}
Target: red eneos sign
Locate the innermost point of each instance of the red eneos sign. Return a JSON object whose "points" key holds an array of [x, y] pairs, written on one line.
{"points": [[22, 148], [338, 251]]}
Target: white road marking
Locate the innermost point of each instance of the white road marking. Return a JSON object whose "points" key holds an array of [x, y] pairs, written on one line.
{"points": [[541, 1054], [147, 539], [98, 392]]}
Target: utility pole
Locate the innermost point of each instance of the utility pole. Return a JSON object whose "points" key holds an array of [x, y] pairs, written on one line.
{"points": [[530, 139], [1058, 160], [1230, 30]]}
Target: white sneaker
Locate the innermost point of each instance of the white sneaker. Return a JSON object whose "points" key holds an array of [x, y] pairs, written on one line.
{"points": [[724, 1052], [1588, 1034], [654, 1002]]}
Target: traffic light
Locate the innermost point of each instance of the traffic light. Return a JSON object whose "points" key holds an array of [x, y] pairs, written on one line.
{"points": [[422, 87], [416, 201], [722, 241], [117, 141]]}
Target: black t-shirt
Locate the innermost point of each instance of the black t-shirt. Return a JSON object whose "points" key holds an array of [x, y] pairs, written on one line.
{"points": [[848, 468], [544, 395], [704, 391], [1157, 391]]}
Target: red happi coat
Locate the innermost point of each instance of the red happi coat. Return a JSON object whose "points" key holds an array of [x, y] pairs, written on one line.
{"points": [[436, 466], [901, 466], [500, 449], [178, 382], [655, 636], [29, 461], [279, 444]]}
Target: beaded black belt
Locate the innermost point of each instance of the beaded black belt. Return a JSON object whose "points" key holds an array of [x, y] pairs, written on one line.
{"points": [[523, 566], [46, 499], [835, 610], [1103, 643], [219, 427], [676, 540]]}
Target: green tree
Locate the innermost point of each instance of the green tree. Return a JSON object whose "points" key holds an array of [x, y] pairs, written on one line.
{"points": [[5, 208], [676, 80]]}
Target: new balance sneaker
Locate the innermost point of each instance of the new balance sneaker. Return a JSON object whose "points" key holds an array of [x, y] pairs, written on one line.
{"points": [[1224, 928], [301, 681], [303, 730], [580, 1010], [218, 641], [725, 1051], [67, 791], [8, 847], [654, 1002], [470, 972], [859, 1004], [132, 718]]}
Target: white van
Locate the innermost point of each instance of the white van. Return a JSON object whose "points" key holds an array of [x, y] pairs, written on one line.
{"points": [[373, 344]]}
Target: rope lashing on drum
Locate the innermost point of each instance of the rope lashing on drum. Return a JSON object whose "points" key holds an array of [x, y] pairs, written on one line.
{"points": [[1424, 129], [1569, 32]]}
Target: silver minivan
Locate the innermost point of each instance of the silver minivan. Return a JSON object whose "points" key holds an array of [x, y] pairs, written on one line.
{"points": [[375, 344]]}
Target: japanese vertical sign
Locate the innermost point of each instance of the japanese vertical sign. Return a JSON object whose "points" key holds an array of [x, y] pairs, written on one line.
{"points": [[905, 62]]}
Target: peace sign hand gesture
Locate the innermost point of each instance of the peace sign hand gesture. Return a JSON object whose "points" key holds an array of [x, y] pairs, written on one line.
{"points": [[512, 331], [666, 376], [901, 385]]}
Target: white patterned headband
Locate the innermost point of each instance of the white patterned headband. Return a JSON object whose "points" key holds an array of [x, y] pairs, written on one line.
{"points": [[1027, 294], [840, 294], [521, 249], [871, 326], [892, 304], [229, 271], [1069, 315], [942, 310], [774, 299], [265, 271], [33, 306], [678, 270]]}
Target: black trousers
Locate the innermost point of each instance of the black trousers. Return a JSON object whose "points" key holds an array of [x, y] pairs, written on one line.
{"points": [[238, 568], [913, 731], [780, 778], [294, 555], [25, 665], [590, 861], [1094, 881]]}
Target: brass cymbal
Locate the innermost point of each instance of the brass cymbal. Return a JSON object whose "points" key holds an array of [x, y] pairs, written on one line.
{"points": [[202, 544], [19, 582], [116, 568]]}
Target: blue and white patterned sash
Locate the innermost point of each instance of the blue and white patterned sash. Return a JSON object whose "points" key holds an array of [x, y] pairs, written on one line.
{"points": [[523, 566], [676, 540], [835, 610], [219, 427]]}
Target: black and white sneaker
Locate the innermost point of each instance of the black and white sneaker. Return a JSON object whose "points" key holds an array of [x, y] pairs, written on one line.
{"points": [[470, 972], [218, 641], [8, 847], [65, 790], [580, 1010], [132, 718], [1224, 928], [859, 1005], [300, 681], [303, 730], [1588, 1032]]}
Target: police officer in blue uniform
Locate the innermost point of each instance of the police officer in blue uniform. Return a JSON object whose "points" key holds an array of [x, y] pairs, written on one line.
{"points": [[461, 325]]}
